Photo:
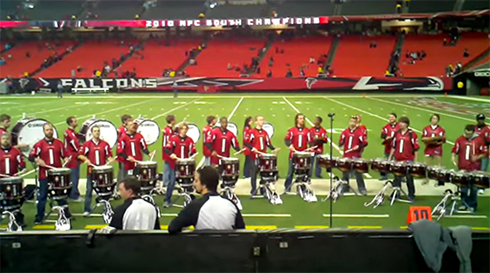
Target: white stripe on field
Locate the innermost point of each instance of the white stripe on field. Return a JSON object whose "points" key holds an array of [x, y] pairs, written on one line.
{"points": [[470, 98], [467, 216], [252, 215], [422, 109], [373, 115], [171, 110], [47, 111], [229, 118], [311, 123], [357, 215]]}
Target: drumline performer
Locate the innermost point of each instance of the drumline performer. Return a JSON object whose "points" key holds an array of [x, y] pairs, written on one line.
{"points": [[167, 133], [387, 134], [471, 150], [11, 164], [95, 152], [72, 148], [207, 135], [405, 148], [131, 147], [5, 122], [179, 146], [319, 137], [483, 130], [220, 141], [248, 158], [47, 153], [362, 127], [120, 132], [353, 140], [297, 139], [257, 140], [434, 136]]}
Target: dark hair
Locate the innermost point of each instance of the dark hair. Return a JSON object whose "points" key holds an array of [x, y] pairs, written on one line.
{"points": [[404, 120], [69, 120], [5, 117], [296, 118], [131, 183], [469, 127], [247, 121], [125, 118], [435, 115], [210, 119], [319, 119], [223, 118], [170, 118], [209, 177], [93, 127], [393, 114]]}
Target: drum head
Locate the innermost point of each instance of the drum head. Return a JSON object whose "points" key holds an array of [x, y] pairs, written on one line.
{"points": [[108, 132], [194, 132], [231, 127], [32, 132], [149, 129], [269, 129]]}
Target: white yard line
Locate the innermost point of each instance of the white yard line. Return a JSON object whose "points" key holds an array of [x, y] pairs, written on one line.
{"points": [[470, 98], [255, 215], [371, 114], [174, 109], [423, 109], [357, 215], [229, 118], [28, 114]]}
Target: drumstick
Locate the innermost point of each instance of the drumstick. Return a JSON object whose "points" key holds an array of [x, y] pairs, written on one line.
{"points": [[153, 155], [311, 148], [194, 155], [239, 152], [69, 159], [4, 175], [49, 167]]}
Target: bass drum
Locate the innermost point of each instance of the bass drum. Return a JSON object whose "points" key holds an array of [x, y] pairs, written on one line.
{"points": [[29, 131], [149, 129], [108, 132], [269, 129], [193, 131], [231, 127]]}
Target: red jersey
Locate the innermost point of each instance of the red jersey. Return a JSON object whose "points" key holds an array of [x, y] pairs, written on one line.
{"points": [[120, 132], [299, 138], [318, 134], [131, 145], [222, 141], [245, 132], [389, 130], [466, 149], [182, 147], [353, 141], [207, 135], [97, 153], [167, 133], [3, 130], [11, 161], [72, 147], [433, 131], [51, 152], [484, 133], [258, 139], [405, 145]]}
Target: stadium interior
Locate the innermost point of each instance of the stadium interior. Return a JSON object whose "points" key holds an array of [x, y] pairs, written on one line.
{"points": [[334, 59]]}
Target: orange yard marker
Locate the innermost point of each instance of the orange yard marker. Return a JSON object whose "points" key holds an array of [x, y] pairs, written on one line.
{"points": [[419, 213]]}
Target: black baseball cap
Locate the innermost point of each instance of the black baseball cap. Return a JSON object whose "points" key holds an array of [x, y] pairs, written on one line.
{"points": [[480, 117]]}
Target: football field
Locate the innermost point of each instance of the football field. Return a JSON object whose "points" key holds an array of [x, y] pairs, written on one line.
{"points": [[278, 110]]}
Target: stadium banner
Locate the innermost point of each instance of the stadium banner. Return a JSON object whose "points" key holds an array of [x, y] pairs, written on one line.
{"points": [[212, 84]]}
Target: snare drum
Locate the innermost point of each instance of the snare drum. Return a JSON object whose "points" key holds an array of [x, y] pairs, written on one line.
{"points": [[108, 132], [29, 131], [361, 165], [102, 181], [59, 183], [399, 168], [381, 165], [432, 172], [461, 178], [481, 180], [185, 169], [146, 172], [327, 162], [418, 170], [268, 165], [302, 160], [11, 194], [230, 169], [344, 164], [149, 129]]}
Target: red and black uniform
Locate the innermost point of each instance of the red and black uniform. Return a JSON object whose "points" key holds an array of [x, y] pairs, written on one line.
{"points": [[319, 137], [364, 131], [182, 147], [389, 130], [207, 132], [72, 147], [259, 140], [466, 149], [132, 145], [96, 152], [483, 132], [51, 152], [299, 137], [11, 161], [405, 145], [168, 132], [3, 130], [248, 159], [120, 132], [353, 141], [434, 131], [221, 141]]}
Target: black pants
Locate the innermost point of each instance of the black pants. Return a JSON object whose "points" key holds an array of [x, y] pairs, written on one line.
{"points": [[397, 182], [254, 170], [359, 179]]}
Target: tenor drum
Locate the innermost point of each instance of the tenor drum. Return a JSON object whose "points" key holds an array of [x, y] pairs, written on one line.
{"points": [[399, 168], [418, 170], [11, 194], [461, 178], [108, 132], [361, 165], [432, 172], [481, 180], [194, 133], [344, 164], [381, 165], [29, 131], [146, 172], [149, 129], [444, 175], [268, 165], [185, 169], [231, 127], [327, 162], [230, 169], [103, 182], [59, 183], [302, 160]]}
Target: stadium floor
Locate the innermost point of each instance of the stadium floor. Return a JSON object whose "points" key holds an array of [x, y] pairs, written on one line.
{"points": [[279, 110]]}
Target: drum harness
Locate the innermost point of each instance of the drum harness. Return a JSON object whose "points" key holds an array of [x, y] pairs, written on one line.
{"points": [[228, 190], [12, 225], [268, 187]]}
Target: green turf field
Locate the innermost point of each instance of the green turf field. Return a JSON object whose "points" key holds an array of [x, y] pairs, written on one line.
{"points": [[279, 110]]}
